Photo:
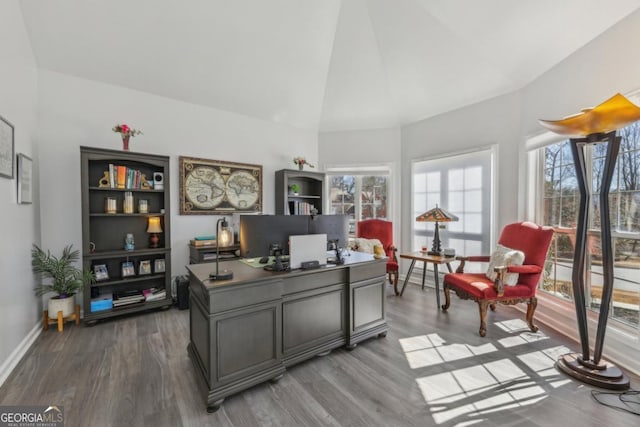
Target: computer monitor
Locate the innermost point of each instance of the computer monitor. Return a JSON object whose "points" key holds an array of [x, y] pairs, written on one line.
{"points": [[258, 232], [336, 227]]}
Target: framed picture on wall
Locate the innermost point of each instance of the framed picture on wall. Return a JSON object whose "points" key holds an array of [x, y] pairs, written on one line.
{"points": [[214, 187], [6, 148], [25, 179]]}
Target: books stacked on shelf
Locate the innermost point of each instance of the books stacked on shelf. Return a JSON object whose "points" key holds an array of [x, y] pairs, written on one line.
{"points": [[199, 243], [102, 302], [203, 241], [222, 256], [124, 298], [124, 177], [154, 294], [300, 208]]}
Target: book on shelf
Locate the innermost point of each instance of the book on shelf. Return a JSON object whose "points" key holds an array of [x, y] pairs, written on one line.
{"points": [[223, 255], [122, 303], [121, 175], [124, 177], [127, 297], [154, 294], [199, 243], [297, 207]]}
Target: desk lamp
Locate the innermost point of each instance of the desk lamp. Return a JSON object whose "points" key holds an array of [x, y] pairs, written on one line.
{"points": [[154, 229], [594, 126], [436, 215], [223, 238]]}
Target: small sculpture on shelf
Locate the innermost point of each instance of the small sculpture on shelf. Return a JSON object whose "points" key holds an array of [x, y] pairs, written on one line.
{"points": [[129, 242]]}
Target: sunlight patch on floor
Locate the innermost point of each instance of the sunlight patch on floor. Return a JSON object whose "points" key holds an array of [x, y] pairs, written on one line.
{"points": [[523, 338], [468, 393], [428, 350], [453, 394]]}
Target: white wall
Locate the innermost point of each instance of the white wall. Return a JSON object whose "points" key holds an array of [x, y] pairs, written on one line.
{"points": [[367, 147], [493, 122], [75, 112], [607, 65], [19, 224]]}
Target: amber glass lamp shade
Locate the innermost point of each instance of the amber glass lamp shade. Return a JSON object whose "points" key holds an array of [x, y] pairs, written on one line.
{"points": [[614, 113], [154, 229]]}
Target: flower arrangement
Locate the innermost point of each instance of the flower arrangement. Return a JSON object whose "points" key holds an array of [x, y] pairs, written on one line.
{"points": [[301, 162], [125, 130]]}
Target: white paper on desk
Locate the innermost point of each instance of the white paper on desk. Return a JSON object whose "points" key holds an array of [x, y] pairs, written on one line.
{"points": [[308, 247]]}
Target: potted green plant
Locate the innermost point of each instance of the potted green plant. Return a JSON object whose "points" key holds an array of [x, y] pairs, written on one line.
{"points": [[295, 189], [65, 279]]}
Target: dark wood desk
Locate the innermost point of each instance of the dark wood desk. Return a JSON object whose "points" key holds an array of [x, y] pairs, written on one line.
{"points": [[249, 329], [425, 258]]}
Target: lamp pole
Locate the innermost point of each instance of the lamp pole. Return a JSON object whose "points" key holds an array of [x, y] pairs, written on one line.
{"points": [[225, 274]]}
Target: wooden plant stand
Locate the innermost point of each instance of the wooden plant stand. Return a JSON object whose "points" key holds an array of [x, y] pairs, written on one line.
{"points": [[46, 321]]}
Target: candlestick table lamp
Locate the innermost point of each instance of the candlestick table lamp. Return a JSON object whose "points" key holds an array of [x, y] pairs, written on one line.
{"points": [[436, 215], [594, 126], [224, 237], [154, 231]]}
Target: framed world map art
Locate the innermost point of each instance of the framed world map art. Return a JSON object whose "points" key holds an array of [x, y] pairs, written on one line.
{"points": [[214, 187]]}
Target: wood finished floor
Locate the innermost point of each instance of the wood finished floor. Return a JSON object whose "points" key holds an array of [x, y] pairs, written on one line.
{"points": [[431, 369]]}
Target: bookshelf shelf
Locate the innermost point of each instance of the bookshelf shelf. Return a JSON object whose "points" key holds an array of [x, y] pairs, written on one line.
{"points": [[311, 192], [103, 234]]}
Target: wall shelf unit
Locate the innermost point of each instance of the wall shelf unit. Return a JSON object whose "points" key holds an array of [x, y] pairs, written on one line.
{"points": [[310, 194], [103, 234]]}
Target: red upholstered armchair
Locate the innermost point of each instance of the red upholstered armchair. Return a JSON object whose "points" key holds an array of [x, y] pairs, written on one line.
{"points": [[527, 237], [383, 231]]}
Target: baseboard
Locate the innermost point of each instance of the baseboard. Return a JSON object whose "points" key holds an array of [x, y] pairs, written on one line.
{"points": [[14, 358]]}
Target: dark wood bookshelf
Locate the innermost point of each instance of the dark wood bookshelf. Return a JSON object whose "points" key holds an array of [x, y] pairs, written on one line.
{"points": [[103, 234]]}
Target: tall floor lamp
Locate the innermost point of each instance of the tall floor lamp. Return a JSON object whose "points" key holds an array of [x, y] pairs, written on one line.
{"points": [[594, 126]]}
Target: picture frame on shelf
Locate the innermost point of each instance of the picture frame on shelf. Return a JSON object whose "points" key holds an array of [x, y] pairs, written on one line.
{"points": [[25, 179], [128, 269], [6, 148], [101, 272], [215, 187], [144, 267], [158, 265]]}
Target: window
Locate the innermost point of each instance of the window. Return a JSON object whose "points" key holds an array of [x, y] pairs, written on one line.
{"points": [[559, 208], [461, 184], [361, 193]]}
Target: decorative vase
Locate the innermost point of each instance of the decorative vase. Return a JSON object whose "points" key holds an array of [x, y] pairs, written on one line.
{"points": [[125, 143], [300, 166], [57, 304]]}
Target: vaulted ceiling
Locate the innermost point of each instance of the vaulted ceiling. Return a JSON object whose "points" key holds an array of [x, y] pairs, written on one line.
{"points": [[317, 64]]}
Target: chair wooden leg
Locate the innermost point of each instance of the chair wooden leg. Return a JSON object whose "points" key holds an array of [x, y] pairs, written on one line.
{"points": [[45, 320], [447, 297], [531, 309], [482, 306], [395, 282], [77, 312]]}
